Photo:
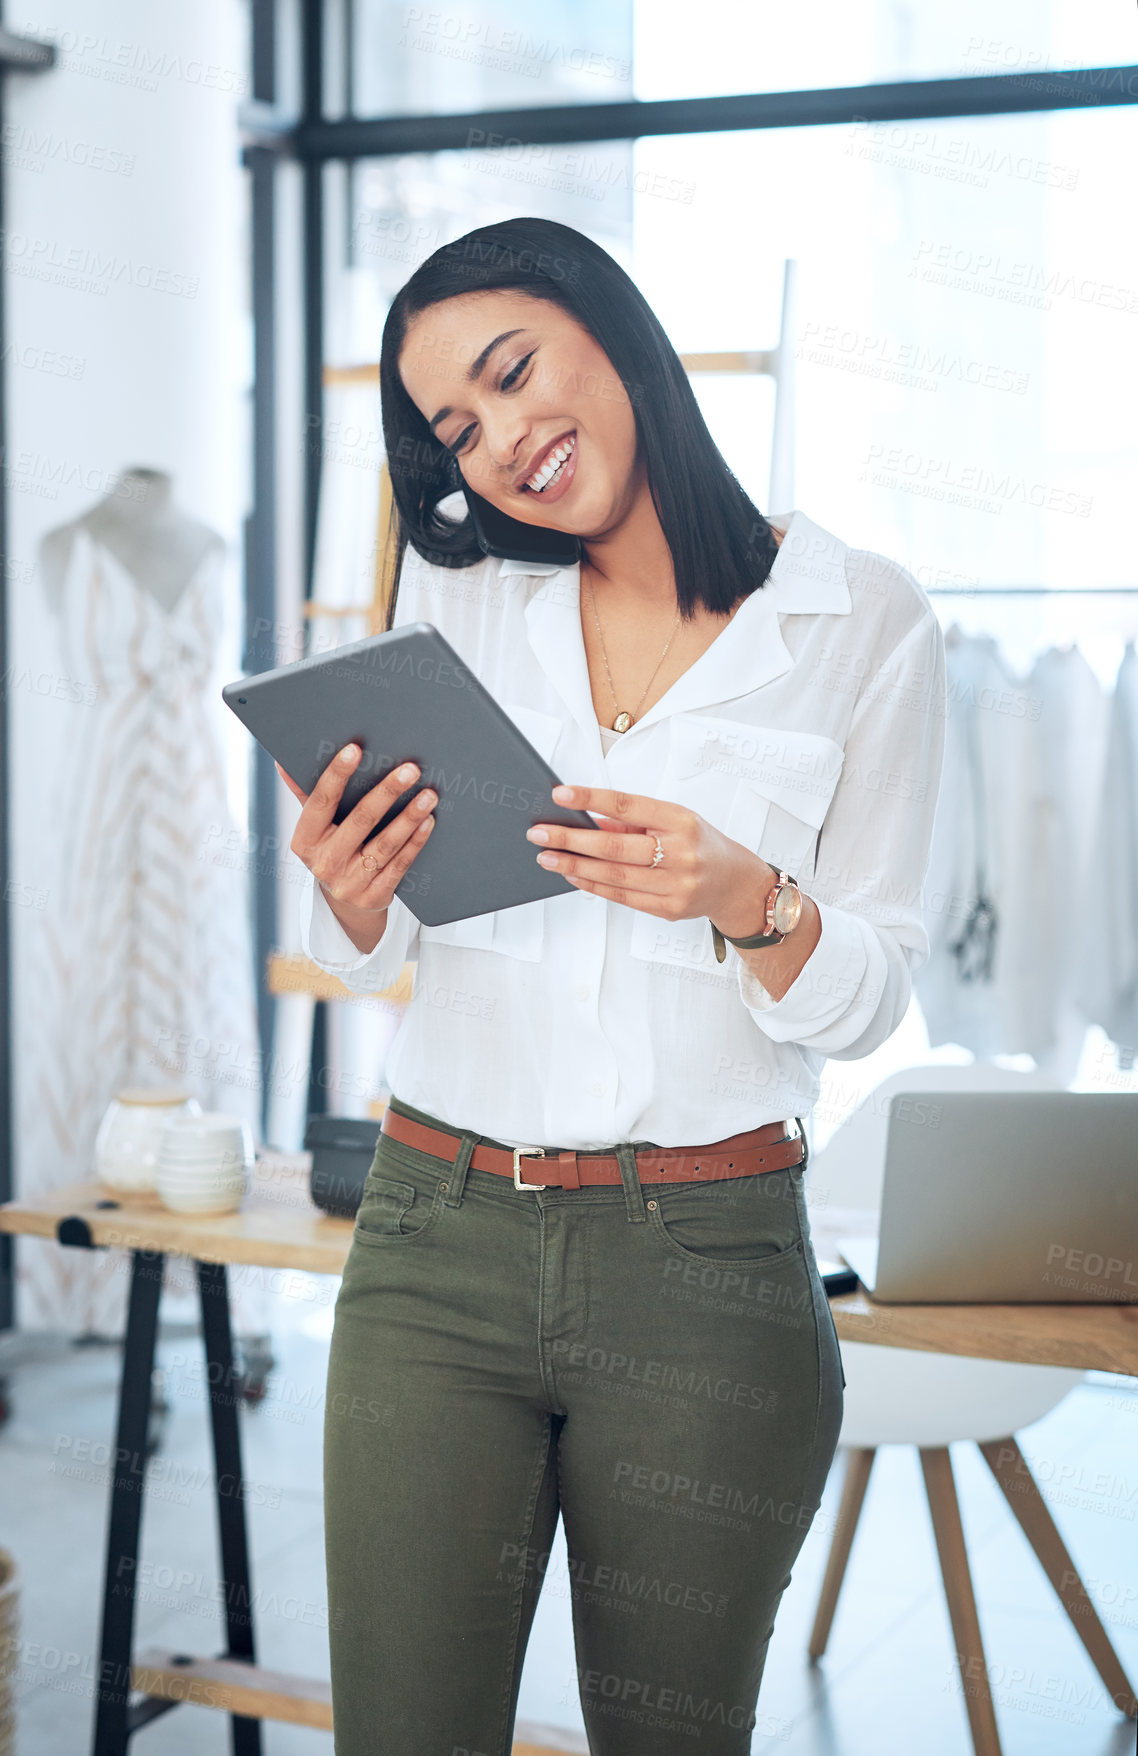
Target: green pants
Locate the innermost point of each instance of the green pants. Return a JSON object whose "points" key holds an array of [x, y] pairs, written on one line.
{"points": [[659, 1368]]}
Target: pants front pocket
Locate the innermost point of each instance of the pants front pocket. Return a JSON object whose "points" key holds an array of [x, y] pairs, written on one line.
{"points": [[393, 1211], [748, 1221]]}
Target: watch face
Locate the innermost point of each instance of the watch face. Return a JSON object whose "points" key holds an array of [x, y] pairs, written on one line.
{"points": [[787, 910]]}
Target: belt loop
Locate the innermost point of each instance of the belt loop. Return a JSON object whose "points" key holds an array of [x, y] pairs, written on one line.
{"points": [[630, 1178], [570, 1176], [457, 1178]]}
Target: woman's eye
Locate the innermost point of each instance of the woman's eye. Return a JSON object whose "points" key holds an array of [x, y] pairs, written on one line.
{"points": [[509, 382], [514, 373]]}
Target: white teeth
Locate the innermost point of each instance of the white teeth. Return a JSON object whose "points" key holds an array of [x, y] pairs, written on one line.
{"points": [[542, 477], [552, 466]]}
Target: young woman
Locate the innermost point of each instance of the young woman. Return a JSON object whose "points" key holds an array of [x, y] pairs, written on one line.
{"points": [[581, 1280]]}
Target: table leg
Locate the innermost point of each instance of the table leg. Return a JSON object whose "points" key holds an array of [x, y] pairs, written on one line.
{"points": [[213, 1288], [112, 1696]]}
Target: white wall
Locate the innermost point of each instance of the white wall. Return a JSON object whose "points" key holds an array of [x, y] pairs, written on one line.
{"points": [[127, 333]]}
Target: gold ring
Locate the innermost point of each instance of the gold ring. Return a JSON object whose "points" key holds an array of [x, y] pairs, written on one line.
{"points": [[659, 854], [370, 864]]}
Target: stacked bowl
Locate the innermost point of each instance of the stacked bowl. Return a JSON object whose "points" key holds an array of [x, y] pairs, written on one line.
{"points": [[204, 1162]]}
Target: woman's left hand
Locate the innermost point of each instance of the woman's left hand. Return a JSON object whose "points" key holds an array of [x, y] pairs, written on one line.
{"points": [[703, 872]]}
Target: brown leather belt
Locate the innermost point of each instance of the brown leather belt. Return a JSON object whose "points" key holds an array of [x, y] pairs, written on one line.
{"points": [[768, 1148]]}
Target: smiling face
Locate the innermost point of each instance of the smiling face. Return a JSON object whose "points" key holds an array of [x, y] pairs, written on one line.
{"points": [[530, 406]]}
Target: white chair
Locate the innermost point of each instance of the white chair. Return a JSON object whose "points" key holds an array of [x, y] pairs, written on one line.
{"points": [[897, 1396]]}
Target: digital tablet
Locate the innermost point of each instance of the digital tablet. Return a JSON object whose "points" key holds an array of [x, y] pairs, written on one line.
{"points": [[407, 696]]}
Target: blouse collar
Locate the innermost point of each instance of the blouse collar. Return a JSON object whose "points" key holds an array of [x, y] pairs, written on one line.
{"points": [[807, 577]]}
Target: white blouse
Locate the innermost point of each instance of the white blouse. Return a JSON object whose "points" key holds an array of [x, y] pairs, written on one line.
{"points": [[811, 730]]}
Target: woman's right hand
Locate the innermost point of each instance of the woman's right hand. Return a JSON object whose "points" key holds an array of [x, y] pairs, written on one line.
{"points": [[360, 882]]}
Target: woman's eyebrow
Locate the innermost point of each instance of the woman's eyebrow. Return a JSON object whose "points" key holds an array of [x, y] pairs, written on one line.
{"points": [[474, 372]]}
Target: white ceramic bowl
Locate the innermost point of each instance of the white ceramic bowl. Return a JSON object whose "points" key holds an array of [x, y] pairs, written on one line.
{"points": [[209, 1137], [202, 1200], [207, 1180], [209, 1125], [204, 1162], [209, 1195]]}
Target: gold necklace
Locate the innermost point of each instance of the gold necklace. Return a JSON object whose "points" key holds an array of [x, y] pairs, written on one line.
{"points": [[624, 719]]}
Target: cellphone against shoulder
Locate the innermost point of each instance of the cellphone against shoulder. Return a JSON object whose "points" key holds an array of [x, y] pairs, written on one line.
{"points": [[514, 540]]}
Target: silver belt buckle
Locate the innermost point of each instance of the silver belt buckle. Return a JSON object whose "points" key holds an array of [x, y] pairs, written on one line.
{"points": [[535, 1152]]}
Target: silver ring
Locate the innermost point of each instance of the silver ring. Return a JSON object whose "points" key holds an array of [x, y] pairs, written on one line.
{"points": [[659, 854]]}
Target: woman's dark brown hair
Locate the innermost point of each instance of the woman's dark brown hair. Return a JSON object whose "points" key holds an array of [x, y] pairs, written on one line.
{"points": [[721, 545]]}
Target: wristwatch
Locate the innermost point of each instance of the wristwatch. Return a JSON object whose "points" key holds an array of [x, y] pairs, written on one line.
{"points": [[784, 911]]}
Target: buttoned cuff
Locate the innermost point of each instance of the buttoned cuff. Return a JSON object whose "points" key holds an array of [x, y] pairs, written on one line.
{"points": [[827, 986], [324, 940]]}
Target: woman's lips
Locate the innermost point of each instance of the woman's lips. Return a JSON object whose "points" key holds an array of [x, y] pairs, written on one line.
{"points": [[556, 490]]}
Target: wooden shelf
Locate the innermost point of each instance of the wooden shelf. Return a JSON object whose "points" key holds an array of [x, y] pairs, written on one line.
{"points": [[288, 973], [261, 1693], [233, 1687], [761, 360]]}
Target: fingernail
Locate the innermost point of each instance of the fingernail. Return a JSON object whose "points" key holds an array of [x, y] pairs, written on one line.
{"points": [[407, 772], [349, 752], [547, 859], [537, 835], [563, 795]]}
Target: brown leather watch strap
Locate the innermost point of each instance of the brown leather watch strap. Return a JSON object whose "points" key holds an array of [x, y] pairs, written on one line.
{"points": [[768, 1148]]}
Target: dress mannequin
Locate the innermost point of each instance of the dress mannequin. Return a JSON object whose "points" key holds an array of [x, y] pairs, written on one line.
{"points": [[141, 972], [160, 546]]}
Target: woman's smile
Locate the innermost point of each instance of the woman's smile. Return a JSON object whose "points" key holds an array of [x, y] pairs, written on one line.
{"points": [[552, 478]]}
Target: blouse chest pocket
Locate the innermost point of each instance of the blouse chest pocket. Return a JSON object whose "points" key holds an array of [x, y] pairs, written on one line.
{"points": [[766, 787], [519, 931]]}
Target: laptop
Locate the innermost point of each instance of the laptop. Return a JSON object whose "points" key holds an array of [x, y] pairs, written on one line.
{"points": [[1006, 1198]]}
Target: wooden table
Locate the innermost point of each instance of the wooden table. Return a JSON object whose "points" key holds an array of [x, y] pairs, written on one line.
{"points": [[1102, 1338], [277, 1226]]}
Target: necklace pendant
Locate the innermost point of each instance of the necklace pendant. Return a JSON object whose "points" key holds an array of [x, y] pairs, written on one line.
{"points": [[622, 722]]}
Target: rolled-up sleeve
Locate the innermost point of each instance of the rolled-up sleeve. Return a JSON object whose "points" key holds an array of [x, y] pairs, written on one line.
{"points": [[324, 940], [873, 853]]}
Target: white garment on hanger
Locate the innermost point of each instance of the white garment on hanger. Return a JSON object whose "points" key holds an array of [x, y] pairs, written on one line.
{"points": [[1108, 989], [973, 834], [1052, 807]]}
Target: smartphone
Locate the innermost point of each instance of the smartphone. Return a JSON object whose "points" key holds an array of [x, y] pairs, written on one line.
{"points": [[837, 1278], [514, 540]]}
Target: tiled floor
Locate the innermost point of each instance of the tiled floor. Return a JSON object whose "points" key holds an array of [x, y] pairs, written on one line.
{"points": [[885, 1688]]}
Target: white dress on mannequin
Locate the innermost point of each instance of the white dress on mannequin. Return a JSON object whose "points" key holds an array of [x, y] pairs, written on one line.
{"points": [[144, 970]]}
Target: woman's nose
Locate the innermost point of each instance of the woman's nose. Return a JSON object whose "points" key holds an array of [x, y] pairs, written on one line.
{"points": [[505, 447]]}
